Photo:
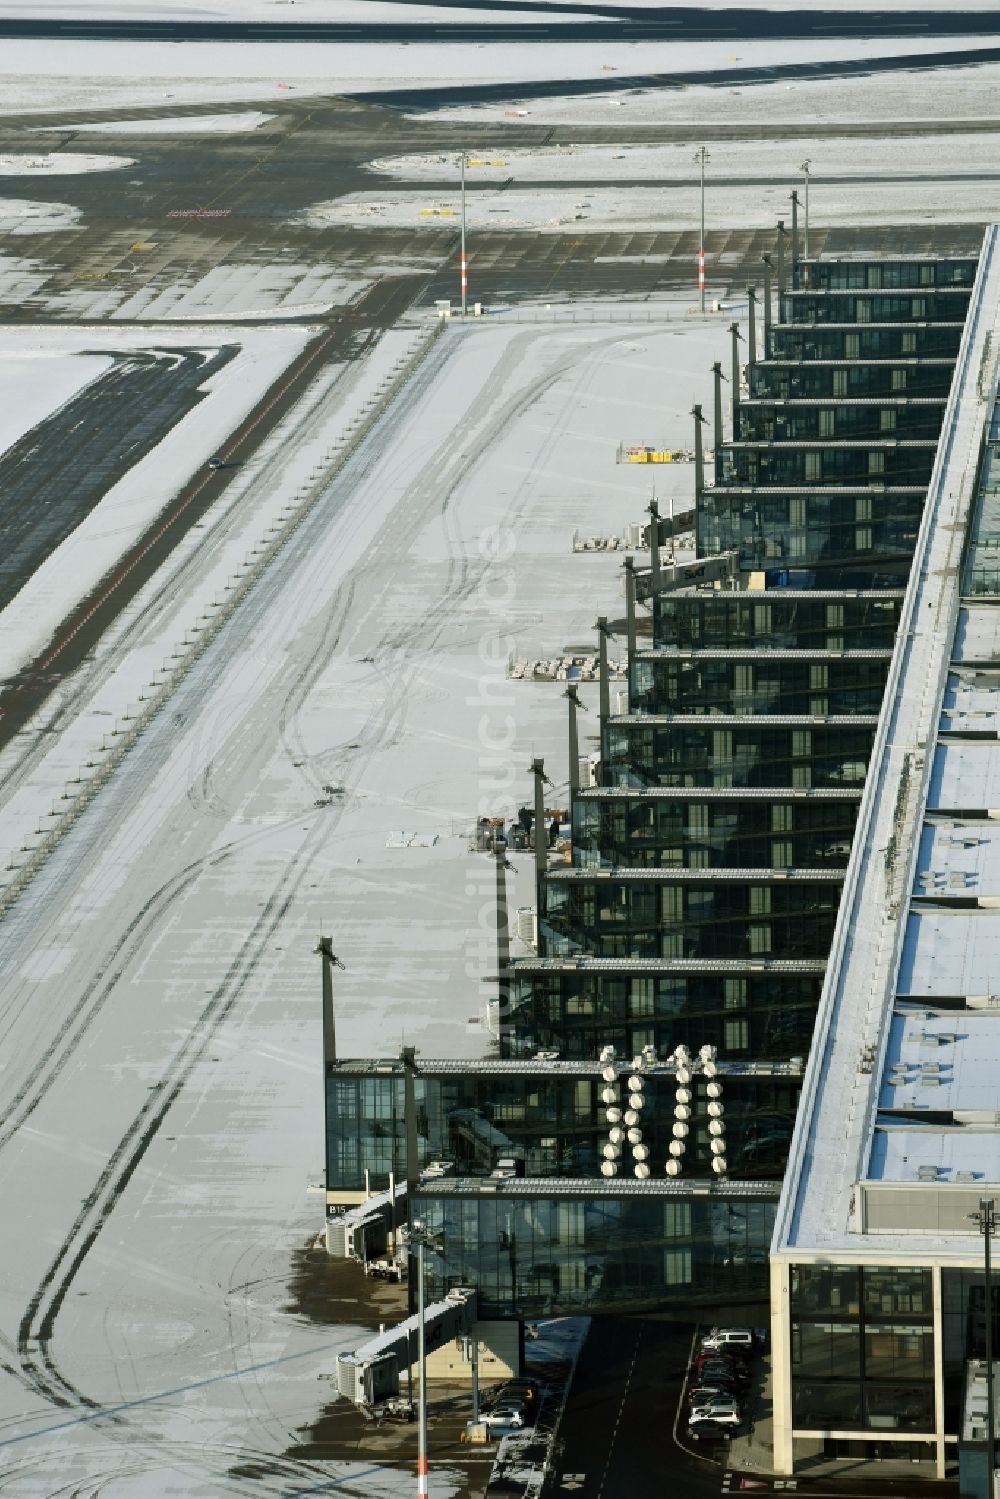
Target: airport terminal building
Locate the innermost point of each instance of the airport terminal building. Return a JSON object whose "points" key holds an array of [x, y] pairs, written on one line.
{"points": [[757, 1043], [878, 1288]]}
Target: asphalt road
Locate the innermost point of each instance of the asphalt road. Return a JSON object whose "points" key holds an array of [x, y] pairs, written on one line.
{"points": [[731, 77], [55, 474], [689, 23], [616, 1438], [97, 437], [623, 1432]]}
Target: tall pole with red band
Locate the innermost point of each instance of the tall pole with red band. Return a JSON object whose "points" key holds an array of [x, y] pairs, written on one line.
{"points": [[701, 156]]}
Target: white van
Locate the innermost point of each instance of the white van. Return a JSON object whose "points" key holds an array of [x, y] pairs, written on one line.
{"points": [[730, 1340]]}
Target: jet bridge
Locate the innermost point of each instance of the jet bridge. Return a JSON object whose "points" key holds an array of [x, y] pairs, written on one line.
{"points": [[719, 569], [370, 1375], [362, 1233], [723, 567]]}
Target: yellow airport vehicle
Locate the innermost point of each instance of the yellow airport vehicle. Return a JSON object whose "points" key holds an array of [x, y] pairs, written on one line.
{"points": [[648, 455]]}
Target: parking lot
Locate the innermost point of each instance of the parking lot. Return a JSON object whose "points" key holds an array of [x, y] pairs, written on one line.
{"points": [[724, 1385]]}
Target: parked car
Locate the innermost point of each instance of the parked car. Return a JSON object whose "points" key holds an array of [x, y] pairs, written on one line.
{"points": [[723, 1355], [707, 1431], [730, 1340], [717, 1389], [708, 1364], [506, 1415], [526, 1392], [718, 1409], [720, 1379]]}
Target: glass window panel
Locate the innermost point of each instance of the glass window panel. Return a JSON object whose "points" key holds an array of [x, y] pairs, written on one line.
{"points": [[676, 1219], [734, 993], [736, 1034], [819, 1289], [828, 1350], [899, 1407], [759, 937], [760, 900], [897, 1351], [641, 997], [826, 1405], [900, 1291], [676, 1267]]}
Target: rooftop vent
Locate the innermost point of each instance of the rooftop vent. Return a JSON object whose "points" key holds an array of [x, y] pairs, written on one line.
{"points": [[927, 1173]]}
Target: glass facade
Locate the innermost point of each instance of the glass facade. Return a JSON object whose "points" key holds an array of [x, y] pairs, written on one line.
{"points": [[837, 532], [759, 684], [539, 1256], [883, 462], [610, 829], [946, 304], [786, 379], [738, 752], [862, 1348], [754, 1013], [951, 270], [553, 1121], [650, 918], [963, 1333], [874, 341], [844, 420], [777, 619]]}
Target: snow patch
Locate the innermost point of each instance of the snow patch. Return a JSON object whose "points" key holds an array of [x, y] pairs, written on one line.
{"points": [[36, 382], [59, 164], [584, 209], [113, 75], [245, 292], [22, 216], [173, 124], [912, 154]]}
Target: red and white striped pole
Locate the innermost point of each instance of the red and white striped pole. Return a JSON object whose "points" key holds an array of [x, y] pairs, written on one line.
{"points": [[464, 258], [701, 156]]}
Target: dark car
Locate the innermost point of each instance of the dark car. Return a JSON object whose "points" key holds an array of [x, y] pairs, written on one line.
{"points": [[716, 1369], [709, 1431], [720, 1387], [523, 1392], [721, 1360]]}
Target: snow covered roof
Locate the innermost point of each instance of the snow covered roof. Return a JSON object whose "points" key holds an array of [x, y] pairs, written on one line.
{"points": [[898, 1130]]}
